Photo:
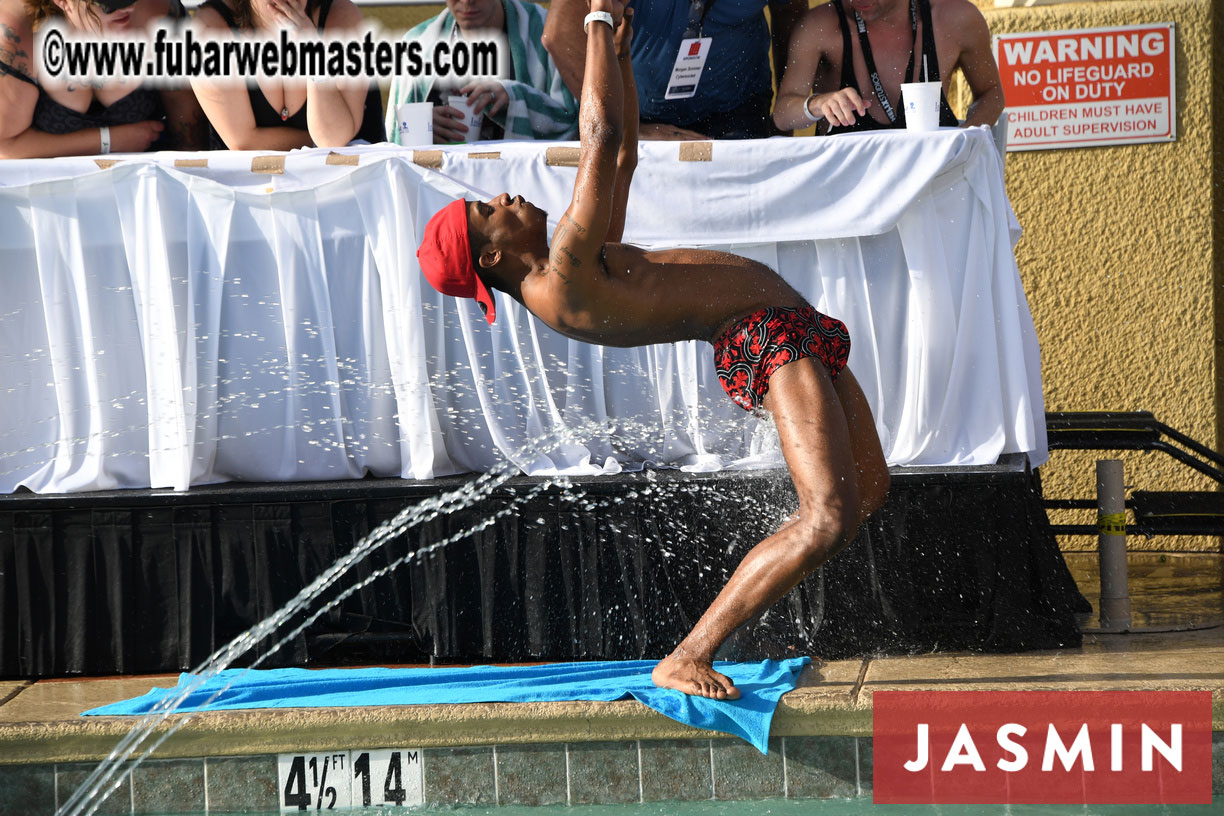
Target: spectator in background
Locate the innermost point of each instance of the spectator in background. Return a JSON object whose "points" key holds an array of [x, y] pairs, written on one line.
{"points": [[530, 102], [284, 114], [834, 60], [46, 118], [735, 88]]}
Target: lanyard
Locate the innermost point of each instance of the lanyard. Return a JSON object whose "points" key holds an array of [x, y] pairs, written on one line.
{"points": [[865, 44], [696, 19]]}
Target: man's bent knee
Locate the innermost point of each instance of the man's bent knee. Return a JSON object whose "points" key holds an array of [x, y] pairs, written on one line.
{"points": [[823, 534]]}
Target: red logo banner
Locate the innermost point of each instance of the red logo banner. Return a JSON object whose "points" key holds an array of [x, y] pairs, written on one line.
{"points": [[1042, 747]]}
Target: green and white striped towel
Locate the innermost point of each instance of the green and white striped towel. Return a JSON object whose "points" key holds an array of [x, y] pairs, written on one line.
{"points": [[540, 106]]}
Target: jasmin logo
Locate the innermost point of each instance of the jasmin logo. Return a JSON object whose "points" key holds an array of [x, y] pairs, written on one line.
{"points": [[965, 752], [1042, 747]]}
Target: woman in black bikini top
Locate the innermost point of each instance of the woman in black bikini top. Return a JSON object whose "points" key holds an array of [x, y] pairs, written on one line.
{"points": [[926, 70], [43, 120], [830, 78], [276, 115]]}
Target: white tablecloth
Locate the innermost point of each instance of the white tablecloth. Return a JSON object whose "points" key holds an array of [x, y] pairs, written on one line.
{"points": [[167, 324]]}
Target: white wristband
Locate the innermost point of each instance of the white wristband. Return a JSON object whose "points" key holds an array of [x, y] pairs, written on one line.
{"points": [[602, 16], [104, 132], [808, 112]]}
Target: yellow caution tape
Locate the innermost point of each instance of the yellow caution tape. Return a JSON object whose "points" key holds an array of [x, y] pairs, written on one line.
{"points": [[1111, 523]]}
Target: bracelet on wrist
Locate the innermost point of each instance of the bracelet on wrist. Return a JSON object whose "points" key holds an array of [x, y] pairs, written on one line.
{"points": [[807, 111], [601, 16], [104, 139]]}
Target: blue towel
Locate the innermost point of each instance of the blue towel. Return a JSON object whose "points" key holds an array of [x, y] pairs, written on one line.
{"points": [[760, 685]]}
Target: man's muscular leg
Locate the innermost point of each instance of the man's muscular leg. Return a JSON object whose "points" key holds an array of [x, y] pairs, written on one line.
{"points": [[872, 470], [835, 462]]}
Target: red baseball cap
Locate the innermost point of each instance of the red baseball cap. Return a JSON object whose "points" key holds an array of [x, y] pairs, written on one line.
{"points": [[446, 258]]}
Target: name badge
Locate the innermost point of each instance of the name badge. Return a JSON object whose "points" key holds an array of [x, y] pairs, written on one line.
{"points": [[686, 73]]}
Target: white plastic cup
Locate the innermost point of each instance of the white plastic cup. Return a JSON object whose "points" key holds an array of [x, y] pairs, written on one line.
{"points": [[414, 120], [921, 103], [472, 119]]}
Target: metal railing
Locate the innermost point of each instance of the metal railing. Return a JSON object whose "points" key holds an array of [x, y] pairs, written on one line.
{"points": [[1155, 512]]}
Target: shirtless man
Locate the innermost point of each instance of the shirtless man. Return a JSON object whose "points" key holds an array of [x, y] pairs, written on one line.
{"points": [[825, 81], [590, 287]]}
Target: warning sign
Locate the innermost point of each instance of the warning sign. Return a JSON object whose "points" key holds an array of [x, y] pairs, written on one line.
{"points": [[1079, 88]]}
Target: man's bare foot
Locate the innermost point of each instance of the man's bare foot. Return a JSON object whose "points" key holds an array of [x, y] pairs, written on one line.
{"points": [[692, 676]]}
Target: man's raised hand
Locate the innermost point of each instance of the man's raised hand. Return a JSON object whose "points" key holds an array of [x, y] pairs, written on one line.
{"points": [[622, 37], [615, 7]]}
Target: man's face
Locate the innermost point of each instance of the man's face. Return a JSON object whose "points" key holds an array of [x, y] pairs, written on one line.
{"points": [[475, 14], [505, 220]]}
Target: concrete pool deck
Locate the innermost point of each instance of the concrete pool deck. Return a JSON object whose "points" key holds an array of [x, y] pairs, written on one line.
{"points": [[596, 752], [40, 720]]}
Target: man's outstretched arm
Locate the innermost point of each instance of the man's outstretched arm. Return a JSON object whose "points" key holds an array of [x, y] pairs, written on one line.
{"points": [[626, 158], [584, 227]]}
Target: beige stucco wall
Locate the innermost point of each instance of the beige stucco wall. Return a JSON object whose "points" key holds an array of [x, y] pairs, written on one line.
{"points": [[1121, 255], [1121, 260]]}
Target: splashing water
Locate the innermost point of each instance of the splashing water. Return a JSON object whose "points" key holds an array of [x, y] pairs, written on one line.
{"points": [[641, 441], [108, 775], [623, 436]]}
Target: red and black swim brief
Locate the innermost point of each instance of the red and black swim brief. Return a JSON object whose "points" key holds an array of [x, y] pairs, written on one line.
{"points": [[752, 349]]}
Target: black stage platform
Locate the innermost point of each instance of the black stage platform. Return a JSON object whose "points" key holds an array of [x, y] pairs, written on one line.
{"points": [[153, 581]]}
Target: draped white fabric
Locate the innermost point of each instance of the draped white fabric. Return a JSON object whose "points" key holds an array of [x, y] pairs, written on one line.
{"points": [[165, 324]]}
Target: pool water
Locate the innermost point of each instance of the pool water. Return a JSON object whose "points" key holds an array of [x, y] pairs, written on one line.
{"points": [[841, 807], [800, 807]]}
